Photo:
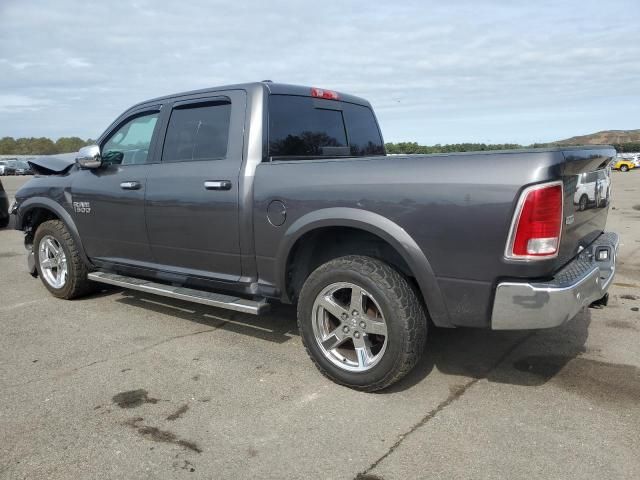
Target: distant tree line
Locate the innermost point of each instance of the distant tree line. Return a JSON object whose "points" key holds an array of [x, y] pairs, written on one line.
{"points": [[413, 147], [41, 145], [627, 147]]}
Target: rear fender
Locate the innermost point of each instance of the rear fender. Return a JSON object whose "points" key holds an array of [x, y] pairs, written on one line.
{"points": [[380, 226]]}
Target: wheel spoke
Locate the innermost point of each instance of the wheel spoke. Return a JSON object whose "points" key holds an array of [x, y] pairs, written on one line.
{"points": [[52, 248], [375, 327], [356, 299], [334, 339], [330, 305], [363, 354], [47, 263]]}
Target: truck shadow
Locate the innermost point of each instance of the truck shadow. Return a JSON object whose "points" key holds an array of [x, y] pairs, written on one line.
{"points": [[525, 358]]}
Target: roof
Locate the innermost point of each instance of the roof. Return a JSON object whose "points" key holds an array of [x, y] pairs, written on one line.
{"points": [[271, 87]]}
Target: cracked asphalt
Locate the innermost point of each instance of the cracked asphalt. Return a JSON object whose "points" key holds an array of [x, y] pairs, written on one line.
{"points": [[127, 385]]}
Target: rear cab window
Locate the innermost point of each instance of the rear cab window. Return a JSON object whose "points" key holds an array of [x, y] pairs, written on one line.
{"points": [[310, 128]]}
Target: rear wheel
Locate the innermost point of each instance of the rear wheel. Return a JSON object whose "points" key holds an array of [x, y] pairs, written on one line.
{"points": [[58, 261], [361, 322], [624, 168], [4, 222]]}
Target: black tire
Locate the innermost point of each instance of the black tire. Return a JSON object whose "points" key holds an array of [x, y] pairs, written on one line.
{"points": [[4, 222], [402, 310], [624, 168], [76, 284]]}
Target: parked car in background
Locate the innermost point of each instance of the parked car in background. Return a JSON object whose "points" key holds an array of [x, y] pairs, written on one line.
{"points": [[23, 168], [4, 207], [624, 164], [6, 168]]}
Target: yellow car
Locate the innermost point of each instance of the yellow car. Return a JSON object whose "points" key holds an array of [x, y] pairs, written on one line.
{"points": [[624, 165]]}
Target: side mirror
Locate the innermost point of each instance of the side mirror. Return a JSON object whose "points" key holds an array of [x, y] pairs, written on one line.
{"points": [[89, 157]]}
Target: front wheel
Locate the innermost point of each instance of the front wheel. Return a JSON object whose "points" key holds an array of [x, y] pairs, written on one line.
{"points": [[361, 322], [58, 261], [624, 168]]}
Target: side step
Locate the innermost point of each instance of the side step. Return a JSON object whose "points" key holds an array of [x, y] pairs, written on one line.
{"points": [[190, 295]]}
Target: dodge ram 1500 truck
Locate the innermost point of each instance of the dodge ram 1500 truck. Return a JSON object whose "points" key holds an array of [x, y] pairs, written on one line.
{"points": [[241, 195]]}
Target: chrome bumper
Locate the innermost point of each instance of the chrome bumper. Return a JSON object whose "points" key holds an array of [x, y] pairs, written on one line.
{"points": [[584, 280]]}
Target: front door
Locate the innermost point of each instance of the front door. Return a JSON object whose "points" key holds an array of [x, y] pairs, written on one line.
{"points": [[108, 202], [192, 194]]}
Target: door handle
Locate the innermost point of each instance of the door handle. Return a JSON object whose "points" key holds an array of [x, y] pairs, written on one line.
{"points": [[130, 185], [217, 185]]}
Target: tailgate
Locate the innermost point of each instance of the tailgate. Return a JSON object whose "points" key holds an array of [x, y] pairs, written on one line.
{"points": [[587, 193]]}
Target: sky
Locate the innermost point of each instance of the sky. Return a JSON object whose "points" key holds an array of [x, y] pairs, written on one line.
{"points": [[452, 71]]}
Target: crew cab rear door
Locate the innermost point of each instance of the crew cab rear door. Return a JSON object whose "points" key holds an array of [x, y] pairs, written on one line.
{"points": [[192, 194]]}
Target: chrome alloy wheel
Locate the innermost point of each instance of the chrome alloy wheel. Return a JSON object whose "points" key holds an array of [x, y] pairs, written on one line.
{"points": [[349, 327], [53, 262]]}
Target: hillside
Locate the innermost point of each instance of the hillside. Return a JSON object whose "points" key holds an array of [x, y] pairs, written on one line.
{"points": [[606, 137]]}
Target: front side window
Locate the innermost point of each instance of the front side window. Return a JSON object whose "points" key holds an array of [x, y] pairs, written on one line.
{"points": [[129, 144], [199, 132]]}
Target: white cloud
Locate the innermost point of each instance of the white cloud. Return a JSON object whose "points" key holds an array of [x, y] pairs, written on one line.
{"points": [[13, 103], [75, 62]]}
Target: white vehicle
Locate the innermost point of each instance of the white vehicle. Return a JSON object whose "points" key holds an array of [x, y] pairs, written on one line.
{"points": [[592, 190], [6, 168]]}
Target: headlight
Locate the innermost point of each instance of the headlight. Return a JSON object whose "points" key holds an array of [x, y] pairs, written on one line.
{"points": [[14, 208]]}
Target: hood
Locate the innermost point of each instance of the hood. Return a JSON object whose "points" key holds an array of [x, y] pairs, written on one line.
{"points": [[53, 165]]}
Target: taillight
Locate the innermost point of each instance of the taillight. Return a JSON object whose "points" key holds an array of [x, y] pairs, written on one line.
{"points": [[321, 93], [537, 225]]}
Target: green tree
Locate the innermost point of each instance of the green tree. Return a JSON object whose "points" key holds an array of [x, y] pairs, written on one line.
{"points": [[69, 144], [7, 145]]}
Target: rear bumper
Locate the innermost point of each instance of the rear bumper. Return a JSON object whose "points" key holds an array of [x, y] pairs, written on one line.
{"points": [[530, 305]]}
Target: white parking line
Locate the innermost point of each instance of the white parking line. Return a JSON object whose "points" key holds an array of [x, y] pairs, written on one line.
{"points": [[19, 305]]}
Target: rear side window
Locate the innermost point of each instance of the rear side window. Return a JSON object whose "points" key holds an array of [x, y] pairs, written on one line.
{"points": [[302, 127], [198, 132], [364, 136]]}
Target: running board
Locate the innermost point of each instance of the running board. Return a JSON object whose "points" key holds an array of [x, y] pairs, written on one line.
{"points": [[181, 293]]}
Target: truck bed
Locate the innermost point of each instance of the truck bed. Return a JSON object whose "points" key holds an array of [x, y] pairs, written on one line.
{"points": [[457, 207]]}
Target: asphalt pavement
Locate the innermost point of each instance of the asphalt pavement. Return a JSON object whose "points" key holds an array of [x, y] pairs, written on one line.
{"points": [[127, 385]]}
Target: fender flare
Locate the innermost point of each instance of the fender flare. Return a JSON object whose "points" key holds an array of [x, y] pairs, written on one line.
{"points": [[377, 225], [59, 211]]}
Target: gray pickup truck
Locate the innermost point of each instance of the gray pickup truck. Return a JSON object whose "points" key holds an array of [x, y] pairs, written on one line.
{"points": [[241, 195]]}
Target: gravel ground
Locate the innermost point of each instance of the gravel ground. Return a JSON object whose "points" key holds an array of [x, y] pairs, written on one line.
{"points": [[126, 385]]}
